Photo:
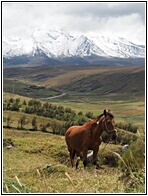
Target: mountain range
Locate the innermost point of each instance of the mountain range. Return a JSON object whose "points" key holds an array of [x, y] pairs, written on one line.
{"points": [[55, 46]]}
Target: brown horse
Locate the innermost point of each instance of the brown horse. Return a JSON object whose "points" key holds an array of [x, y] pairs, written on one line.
{"points": [[88, 136]]}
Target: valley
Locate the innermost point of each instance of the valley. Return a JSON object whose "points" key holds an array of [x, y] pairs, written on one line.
{"points": [[109, 82]]}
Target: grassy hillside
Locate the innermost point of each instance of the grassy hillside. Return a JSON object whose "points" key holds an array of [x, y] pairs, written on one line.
{"points": [[95, 81], [31, 155], [126, 111], [109, 84], [38, 160], [38, 163]]}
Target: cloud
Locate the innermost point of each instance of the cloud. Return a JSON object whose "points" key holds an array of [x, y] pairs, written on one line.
{"points": [[122, 19]]}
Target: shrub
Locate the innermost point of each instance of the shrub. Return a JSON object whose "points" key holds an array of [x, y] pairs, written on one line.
{"points": [[9, 121], [125, 137], [44, 127], [55, 126], [133, 157], [24, 102], [60, 129], [15, 107], [17, 101], [22, 122], [127, 127], [81, 121], [89, 114], [4, 106], [34, 123], [132, 163], [80, 113], [34, 103], [11, 100]]}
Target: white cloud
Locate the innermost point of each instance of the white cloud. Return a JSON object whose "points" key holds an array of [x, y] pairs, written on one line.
{"points": [[122, 19]]}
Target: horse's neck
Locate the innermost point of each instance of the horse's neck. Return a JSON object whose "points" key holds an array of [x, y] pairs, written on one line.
{"points": [[98, 130]]}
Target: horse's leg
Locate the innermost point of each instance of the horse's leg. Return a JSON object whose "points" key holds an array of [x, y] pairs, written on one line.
{"points": [[77, 159], [71, 156], [85, 157], [95, 153]]}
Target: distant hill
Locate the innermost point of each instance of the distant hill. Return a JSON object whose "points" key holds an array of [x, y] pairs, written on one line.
{"points": [[122, 81], [109, 83]]}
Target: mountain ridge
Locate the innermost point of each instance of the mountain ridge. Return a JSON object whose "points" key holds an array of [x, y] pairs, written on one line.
{"points": [[55, 46]]}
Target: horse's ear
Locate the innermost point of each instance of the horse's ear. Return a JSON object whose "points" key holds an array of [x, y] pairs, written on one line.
{"points": [[105, 113]]}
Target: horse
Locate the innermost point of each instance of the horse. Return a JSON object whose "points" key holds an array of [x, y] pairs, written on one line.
{"points": [[89, 137]]}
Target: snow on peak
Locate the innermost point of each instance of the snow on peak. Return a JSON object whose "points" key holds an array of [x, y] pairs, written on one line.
{"points": [[56, 42]]}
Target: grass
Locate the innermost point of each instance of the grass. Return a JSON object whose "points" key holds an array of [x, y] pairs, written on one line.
{"points": [[38, 163], [33, 151], [40, 160], [24, 89], [126, 111]]}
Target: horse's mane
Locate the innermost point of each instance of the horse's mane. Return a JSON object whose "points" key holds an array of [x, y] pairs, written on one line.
{"points": [[110, 114], [100, 116], [95, 120]]}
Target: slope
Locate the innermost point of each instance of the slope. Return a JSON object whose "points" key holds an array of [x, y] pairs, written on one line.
{"points": [[83, 80]]}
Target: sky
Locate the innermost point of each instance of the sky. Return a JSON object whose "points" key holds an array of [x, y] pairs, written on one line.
{"points": [[122, 19]]}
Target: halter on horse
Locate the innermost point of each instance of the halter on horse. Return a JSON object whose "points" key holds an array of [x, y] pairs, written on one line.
{"points": [[89, 136]]}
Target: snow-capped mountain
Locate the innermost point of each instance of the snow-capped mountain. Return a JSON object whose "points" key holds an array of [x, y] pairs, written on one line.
{"points": [[58, 44]]}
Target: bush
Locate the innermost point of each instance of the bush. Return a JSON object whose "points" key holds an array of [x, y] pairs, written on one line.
{"points": [[80, 113], [34, 123], [22, 122], [55, 127], [24, 102], [81, 121], [8, 121], [127, 127], [15, 107], [132, 164], [125, 137], [11, 100], [44, 127], [60, 129], [133, 157], [89, 114]]}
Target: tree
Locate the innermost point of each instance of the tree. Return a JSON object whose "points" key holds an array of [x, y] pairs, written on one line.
{"points": [[34, 123], [44, 127], [24, 102], [9, 121], [11, 100], [22, 122]]}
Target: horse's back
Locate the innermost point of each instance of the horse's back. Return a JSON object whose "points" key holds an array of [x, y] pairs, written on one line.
{"points": [[72, 130], [74, 137]]}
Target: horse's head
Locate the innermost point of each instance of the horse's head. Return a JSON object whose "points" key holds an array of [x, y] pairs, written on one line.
{"points": [[109, 124]]}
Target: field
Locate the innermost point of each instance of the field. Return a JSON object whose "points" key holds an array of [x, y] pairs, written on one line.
{"points": [[38, 161], [33, 151]]}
